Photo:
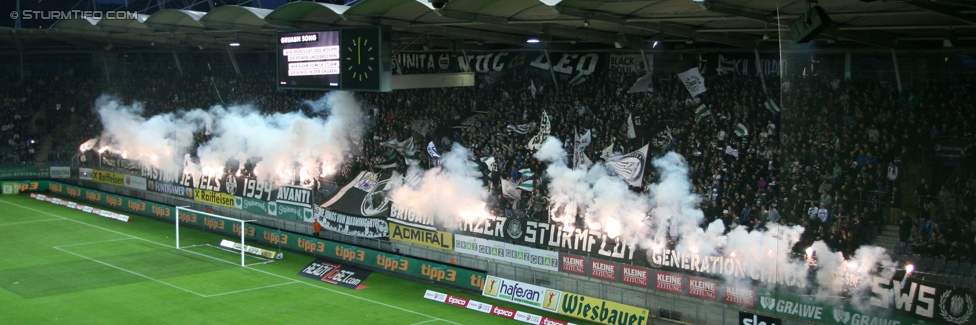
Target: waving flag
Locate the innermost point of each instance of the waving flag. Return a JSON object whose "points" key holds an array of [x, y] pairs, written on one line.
{"points": [[630, 166], [741, 130], [693, 81]]}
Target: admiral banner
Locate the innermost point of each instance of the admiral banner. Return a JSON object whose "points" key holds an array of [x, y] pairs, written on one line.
{"points": [[211, 197], [135, 182], [364, 196], [430, 238], [352, 225], [171, 189], [522, 293], [537, 258], [550, 235], [601, 311], [110, 178]]}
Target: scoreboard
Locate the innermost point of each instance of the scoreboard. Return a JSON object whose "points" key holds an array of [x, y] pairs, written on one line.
{"points": [[352, 58]]}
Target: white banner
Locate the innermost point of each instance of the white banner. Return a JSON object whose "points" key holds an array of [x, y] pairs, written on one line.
{"points": [[86, 174], [536, 142], [509, 189], [60, 172], [135, 182], [517, 254], [693, 81], [522, 293]]}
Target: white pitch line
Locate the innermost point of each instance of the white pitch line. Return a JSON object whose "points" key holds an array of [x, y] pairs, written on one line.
{"points": [[27, 222], [425, 322], [249, 268], [92, 243], [252, 289], [130, 272]]}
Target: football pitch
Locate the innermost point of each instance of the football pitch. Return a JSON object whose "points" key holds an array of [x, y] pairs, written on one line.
{"points": [[60, 265]]}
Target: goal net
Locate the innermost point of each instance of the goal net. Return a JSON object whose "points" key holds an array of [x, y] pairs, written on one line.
{"points": [[213, 235]]}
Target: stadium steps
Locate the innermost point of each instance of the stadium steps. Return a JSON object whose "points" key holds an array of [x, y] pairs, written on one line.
{"points": [[888, 238], [42, 149]]}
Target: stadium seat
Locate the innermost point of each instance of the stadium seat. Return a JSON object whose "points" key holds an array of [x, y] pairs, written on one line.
{"points": [[900, 247], [964, 269], [950, 267], [925, 264], [939, 266]]}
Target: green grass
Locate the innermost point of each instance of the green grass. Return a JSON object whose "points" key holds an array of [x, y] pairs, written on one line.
{"points": [[62, 266]]}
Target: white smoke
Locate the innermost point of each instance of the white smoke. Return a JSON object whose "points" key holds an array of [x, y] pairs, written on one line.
{"points": [[670, 210], [159, 141], [445, 192], [283, 143]]}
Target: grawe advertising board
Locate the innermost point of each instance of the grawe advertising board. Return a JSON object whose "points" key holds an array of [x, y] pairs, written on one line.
{"points": [[532, 257]]}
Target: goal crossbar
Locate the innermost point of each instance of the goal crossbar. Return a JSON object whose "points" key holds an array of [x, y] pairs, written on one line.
{"points": [[241, 222]]}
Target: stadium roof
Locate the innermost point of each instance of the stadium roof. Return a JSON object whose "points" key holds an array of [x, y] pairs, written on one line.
{"points": [[563, 24]]}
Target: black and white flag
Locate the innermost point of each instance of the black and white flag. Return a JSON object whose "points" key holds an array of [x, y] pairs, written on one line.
{"points": [[607, 152], [630, 127], [630, 166], [693, 81], [434, 155], [545, 127], [643, 84], [422, 126], [580, 143], [520, 129]]}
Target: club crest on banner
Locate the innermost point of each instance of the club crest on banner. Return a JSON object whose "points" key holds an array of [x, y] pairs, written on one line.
{"points": [[230, 184], [960, 307], [842, 316], [376, 200]]}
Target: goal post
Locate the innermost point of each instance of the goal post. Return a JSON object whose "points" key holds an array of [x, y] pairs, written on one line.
{"points": [[224, 226]]}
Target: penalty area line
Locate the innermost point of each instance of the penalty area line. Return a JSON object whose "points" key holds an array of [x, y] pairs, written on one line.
{"points": [[249, 268], [130, 272], [29, 222]]}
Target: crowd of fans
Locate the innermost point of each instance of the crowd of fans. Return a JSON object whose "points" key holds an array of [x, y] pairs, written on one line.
{"points": [[833, 162]]}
